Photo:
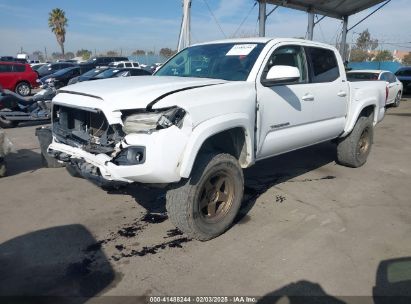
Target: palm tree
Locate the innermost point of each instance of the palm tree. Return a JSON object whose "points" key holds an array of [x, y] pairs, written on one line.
{"points": [[57, 24]]}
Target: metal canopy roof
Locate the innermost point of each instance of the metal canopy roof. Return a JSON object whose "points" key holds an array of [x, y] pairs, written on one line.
{"points": [[331, 8]]}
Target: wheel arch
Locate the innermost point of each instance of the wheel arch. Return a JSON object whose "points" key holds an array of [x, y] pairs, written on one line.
{"points": [[367, 109], [227, 133]]}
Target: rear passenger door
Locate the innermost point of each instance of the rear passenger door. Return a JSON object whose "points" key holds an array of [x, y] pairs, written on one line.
{"points": [[329, 90], [6, 77]]}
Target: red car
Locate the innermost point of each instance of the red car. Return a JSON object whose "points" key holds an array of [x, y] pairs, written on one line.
{"points": [[17, 77]]}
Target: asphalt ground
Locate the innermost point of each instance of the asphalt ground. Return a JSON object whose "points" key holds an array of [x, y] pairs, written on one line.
{"points": [[307, 227]]}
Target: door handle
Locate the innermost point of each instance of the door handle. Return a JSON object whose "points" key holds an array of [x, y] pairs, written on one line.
{"points": [[308, 97], [341, 94]]}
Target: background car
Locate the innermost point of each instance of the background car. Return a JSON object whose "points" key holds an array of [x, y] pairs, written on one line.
{"points": [[87, 75], [17, 77], [404, 75], [61, 77], [51, 68], [394, 86], [111, 73], [36, 66], [100, 62], [124, 64]]}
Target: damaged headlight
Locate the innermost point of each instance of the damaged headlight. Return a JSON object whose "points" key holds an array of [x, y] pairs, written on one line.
{"points": [[150, 121]]}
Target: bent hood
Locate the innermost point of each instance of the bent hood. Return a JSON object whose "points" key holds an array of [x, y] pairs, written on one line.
{"points": [[130, 92]]}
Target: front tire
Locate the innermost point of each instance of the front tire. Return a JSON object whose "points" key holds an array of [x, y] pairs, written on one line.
{"points": [[23, 89], [353, 150], [205, 205]]}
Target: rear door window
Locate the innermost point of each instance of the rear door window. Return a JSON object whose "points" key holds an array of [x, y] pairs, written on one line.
{"points": [[323, 64], [128, 65], [5, 68], [19, 68]]}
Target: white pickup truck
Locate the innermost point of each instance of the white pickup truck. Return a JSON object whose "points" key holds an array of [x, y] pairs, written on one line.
{"points": [[208, 112]]}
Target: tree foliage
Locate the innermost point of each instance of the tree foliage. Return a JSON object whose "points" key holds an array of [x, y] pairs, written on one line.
{"points": [[57, 55], [358, 55], [39, 56], [383, 55], [363, 46], [58, 23], [167, 52], [365, 42], [407, 59], [83, 53], [138, 53], [112, 53], [69, 55]]}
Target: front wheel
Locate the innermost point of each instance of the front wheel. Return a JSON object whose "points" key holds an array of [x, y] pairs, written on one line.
{"points": [[23, 89], [353, 150], [205, 205]]}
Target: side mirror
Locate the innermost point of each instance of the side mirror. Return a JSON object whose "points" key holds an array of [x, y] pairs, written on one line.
{"points": [[281, 74]]}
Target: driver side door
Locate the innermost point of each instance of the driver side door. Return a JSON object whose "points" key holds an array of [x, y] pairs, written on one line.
{"points": [[284, 109]]}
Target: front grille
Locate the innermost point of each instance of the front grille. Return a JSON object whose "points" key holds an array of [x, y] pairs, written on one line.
{"points": [[89, 130]]}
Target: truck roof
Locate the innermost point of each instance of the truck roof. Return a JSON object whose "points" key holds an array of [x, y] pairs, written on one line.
{"points": [[368, 71], [265, 40]]}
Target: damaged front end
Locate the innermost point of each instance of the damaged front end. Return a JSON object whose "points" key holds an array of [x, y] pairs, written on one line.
{"points": [[107, 154]]}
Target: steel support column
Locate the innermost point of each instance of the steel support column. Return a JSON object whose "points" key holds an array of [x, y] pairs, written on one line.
{"points": [[262, 17], [343, 46], [310, 28]]}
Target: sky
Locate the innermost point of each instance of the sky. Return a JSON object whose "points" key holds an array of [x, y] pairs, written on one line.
{"points": [[127, 25]]}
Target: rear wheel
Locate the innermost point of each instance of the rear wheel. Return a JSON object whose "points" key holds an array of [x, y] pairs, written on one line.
{"points": [[397, 101], [353, 150], [205, 205], [23, 89]]}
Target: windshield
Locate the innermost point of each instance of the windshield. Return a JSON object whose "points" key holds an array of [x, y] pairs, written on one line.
{"points": [[44, 68], [362, 76], [92, 72], [106, 74], [228, 61], [63, 71]]}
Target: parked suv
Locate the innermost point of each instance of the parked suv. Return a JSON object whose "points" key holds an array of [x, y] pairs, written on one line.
{"points": [[61, 77], [124, 64], [18, 77], [404, 75]]}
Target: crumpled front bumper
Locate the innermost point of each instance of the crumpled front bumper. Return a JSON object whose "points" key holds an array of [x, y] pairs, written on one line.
{"points": [[163, 153]]}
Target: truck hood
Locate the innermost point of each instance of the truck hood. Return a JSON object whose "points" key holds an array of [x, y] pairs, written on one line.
{"points": [[133, 92]]}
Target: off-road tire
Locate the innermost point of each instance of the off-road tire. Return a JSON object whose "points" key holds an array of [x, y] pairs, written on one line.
{"points": [[397, 101], [351, 150], [183, 199], [23, 89]]}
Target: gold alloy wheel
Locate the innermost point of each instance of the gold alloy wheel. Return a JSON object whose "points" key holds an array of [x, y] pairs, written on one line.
{"points": [[216, 196], [364, 142]]}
